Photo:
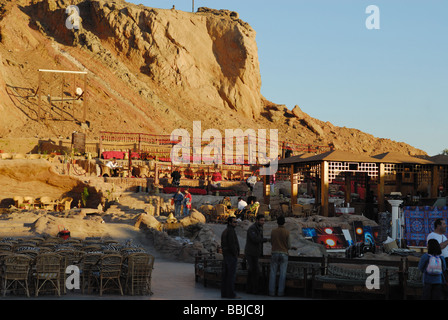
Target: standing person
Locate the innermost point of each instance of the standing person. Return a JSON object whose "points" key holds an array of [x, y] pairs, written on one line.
{"points": [[253, 251], [186, 201], [439, 235], [230, 250], [432, 265], [176, 177], [272, 183], [281, 243], [178, 197]]}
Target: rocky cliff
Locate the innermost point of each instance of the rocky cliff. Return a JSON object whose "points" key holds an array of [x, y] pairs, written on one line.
{"points": [[149, 70]]}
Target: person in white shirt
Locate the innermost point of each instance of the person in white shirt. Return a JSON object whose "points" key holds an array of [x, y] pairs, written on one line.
{"points": [[251, 181], [439, 235], [241, 204], [241, 208], [114, 166]]}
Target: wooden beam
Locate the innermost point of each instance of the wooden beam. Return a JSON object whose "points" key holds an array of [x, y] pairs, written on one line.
{"points": [[381, 206], [266, 190], [324, 183]]}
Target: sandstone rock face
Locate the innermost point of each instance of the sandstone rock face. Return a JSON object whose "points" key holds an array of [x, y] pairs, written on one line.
{"points": [[209, 56], [149, 70]]}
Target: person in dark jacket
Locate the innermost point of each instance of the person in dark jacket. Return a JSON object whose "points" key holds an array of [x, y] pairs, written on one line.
{"points": [[230, 250], [253, 251], [176, 178]]}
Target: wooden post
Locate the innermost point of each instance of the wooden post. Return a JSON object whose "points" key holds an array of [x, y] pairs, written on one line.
{"points": [[38, 96], [84, 116], [435, 181], [266, 190], [381, 206], [348, 187], [294, 185], [156, 174], [324, 181]]}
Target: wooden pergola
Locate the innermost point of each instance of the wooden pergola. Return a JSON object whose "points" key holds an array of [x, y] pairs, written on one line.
{"points": [[391, 172]]}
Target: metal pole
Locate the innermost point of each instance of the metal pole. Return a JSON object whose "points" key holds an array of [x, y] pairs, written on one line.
{"points": [[192, 10]]}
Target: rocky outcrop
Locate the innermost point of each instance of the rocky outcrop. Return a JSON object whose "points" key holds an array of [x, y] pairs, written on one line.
{"points": [[149, 70]]}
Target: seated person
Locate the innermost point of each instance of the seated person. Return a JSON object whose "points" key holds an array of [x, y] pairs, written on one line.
{"points": [[114, 167], [241, 204], [251, 181], [216, 179], [242, 207], [226, 201], [253, 206]]}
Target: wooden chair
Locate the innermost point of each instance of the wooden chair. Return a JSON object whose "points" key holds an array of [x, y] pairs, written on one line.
{"points": [[307, 209], [48, 271], [137, 273], [109, 271], [16, 272], [297, 211], [285, 209]]}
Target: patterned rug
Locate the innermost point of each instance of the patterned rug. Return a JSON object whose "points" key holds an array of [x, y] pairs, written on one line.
{"points": [[419, 222]]}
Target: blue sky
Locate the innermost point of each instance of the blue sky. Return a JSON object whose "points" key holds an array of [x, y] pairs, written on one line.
{"points": [[390, 82]]}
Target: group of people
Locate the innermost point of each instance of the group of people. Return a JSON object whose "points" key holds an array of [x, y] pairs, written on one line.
{"points": [[182, 200], [280, 241], [433, 264]]}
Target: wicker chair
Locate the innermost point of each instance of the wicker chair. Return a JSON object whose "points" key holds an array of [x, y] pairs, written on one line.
{"points": [[16, 272], [64, 204], [47, 203], [109, 271], [48, 271], [137, 273], [6, 246], [18, 200], [69, 256], [88, 265], [221, 212]]}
